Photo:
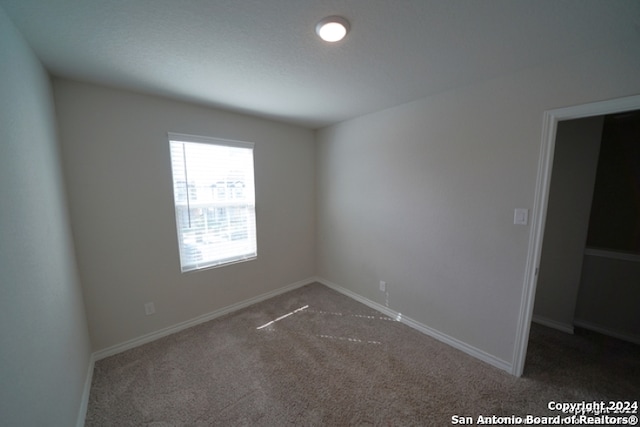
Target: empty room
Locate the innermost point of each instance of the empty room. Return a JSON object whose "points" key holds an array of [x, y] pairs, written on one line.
{"points": [[319, 212]]}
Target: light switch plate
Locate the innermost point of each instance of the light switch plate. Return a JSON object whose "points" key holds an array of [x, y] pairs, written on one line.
{"points": [[149, 308], [521, 216]]}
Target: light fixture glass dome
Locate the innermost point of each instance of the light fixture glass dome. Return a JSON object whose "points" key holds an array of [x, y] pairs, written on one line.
{"points": [[332, 28]]}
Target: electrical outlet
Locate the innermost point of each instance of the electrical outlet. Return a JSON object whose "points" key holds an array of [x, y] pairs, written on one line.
{"points": [[149, 308], [383, 286]]}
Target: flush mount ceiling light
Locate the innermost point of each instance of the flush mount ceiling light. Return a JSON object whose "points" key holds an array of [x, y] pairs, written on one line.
{"points": [[332, 28]]}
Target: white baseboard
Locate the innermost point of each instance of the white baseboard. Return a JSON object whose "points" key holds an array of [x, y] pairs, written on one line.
{"points": [[545, 321], [84, 401], [607, 331], [453, 342], [136, 342], [147, 338]]}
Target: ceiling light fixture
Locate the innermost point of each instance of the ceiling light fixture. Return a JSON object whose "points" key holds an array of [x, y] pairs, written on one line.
{"points": [[332, 28]]}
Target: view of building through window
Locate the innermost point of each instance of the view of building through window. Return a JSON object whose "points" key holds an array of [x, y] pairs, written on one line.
{"points": [[214, 199]]}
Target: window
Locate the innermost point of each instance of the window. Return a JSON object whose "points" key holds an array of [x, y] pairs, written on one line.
{"points": [[214, 197]]}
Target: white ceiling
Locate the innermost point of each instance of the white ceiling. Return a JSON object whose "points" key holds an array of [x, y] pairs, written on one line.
{"points": [[262, 56]]}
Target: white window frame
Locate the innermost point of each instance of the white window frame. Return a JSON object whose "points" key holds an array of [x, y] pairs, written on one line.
{"points": [[213, 204]]}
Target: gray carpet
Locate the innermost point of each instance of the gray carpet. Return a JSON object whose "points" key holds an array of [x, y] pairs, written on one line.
{"points": [[339, 363]]}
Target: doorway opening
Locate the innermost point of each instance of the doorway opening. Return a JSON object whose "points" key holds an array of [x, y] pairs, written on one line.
{"points": [[541, 203]]}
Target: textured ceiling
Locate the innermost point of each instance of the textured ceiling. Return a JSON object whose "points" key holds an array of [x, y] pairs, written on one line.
{"points": [[262, 56]]}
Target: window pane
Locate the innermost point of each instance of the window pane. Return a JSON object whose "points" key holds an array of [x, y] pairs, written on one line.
{"points": [[214, 199]]}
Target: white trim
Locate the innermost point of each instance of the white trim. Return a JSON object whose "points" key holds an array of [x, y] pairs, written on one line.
{"points": [[539, 211], [554, 324], [603, 253], [84, 401], [607, 331], [147, 338], [183, 137], [453, 342]]}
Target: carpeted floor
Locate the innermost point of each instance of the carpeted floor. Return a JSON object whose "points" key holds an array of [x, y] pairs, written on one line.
{"points": [[335, 362]]}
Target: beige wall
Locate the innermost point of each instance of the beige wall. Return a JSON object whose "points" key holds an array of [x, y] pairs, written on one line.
{"points": [[422, 195], [44, 343], [117, 167]]}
